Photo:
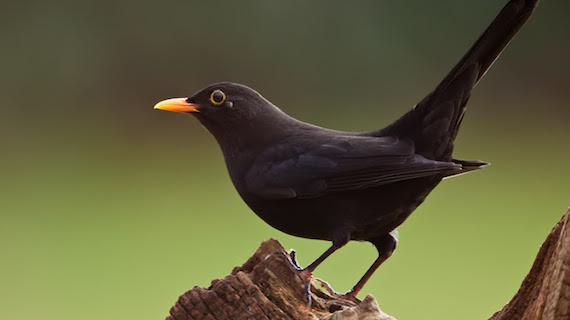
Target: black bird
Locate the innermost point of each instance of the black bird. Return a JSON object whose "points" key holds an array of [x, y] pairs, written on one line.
{"points": [[319, 183]]}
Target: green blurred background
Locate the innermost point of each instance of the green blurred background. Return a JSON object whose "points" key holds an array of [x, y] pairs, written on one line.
{"points": [[111, 210]]}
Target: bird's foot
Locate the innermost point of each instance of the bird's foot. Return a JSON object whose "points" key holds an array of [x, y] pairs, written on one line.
{"points": [[303, 273], [293, 259], [349, 296]]}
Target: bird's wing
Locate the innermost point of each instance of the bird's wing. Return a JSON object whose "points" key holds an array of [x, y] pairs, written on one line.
{"points": [[337, 165]]}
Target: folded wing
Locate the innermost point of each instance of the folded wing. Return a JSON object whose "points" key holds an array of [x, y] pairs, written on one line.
{"points": [[339, 164]]}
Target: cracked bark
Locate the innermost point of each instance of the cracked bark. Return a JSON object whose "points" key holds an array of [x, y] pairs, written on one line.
{"points": [[545, 292], [264, 287]]}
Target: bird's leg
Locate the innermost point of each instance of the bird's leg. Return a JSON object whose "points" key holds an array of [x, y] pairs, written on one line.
{"points": [[386, 245], [310, 268], [306, 274], [353, 293]]}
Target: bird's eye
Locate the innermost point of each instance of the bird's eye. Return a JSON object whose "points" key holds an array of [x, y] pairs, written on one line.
{"points": [[217, 97]]}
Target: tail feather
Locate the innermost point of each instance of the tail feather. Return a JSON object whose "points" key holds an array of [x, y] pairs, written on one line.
{"points": [[468, 166], [433, 123]]}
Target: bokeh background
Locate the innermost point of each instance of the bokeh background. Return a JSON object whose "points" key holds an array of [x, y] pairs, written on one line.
{"points": [[111, 210]]}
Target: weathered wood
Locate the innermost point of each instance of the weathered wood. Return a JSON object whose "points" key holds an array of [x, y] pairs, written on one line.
{"points": [[265, 287], [545, 292]]}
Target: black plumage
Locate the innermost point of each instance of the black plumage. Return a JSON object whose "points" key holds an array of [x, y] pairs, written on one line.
{"points": [[319, 183]]}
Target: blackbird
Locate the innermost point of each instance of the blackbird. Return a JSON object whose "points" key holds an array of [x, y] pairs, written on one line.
{"points": [[319, 183]]}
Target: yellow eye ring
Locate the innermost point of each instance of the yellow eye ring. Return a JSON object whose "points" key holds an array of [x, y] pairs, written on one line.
{"points": [[217, 97]]}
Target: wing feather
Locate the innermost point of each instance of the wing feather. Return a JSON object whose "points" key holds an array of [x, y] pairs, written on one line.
{"points": [[339, 164]]}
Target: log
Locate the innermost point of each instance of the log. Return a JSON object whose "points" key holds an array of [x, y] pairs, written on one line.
{"points": [[266, 287], [545, 292]]}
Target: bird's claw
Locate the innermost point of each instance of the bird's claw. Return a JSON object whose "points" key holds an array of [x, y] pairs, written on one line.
{"points": [[327, 287], [303, 273], [307, 294], [349, 296], [293, 259]]}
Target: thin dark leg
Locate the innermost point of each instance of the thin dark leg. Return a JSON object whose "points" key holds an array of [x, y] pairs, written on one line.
{"points": [[352, 293], [292, 258], [386, 245], [322, 258]]}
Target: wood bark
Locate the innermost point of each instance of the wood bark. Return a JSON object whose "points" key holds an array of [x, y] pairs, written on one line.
{"points": [[266, 287], [545, 292]]}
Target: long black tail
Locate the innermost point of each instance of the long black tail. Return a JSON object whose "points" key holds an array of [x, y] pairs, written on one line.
{"points": [[433, 123]]}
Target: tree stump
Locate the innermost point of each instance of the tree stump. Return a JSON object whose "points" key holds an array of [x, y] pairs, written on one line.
{"points": [[265, 287], [545, 292]]}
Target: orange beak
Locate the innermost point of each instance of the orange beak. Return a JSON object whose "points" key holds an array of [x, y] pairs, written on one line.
{"points": [[177, 105]]}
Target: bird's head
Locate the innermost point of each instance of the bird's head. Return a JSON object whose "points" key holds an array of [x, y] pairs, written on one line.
{"points": [[231, 111]]}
